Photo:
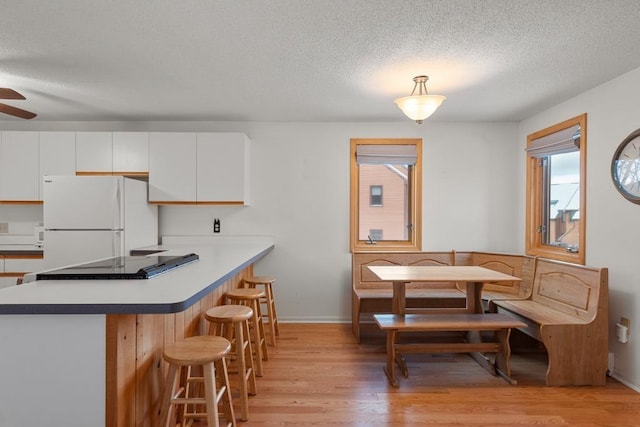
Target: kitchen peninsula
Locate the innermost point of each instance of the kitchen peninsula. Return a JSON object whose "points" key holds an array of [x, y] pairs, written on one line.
{"points": [[88, 352]]}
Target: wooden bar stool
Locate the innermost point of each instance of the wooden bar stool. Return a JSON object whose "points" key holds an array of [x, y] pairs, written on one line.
{"points": [[208, 352], [251, 298], [232, 323], [269, 301]]}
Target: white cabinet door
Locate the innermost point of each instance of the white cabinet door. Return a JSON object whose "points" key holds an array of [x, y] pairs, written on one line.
{"points": [[94, 152], [7, 281], [57, 155], [172, 167], [222, 168], [131, 152], [19, 166], [23, 265]]}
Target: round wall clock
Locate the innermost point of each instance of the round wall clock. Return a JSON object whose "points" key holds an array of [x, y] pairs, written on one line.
{"points": [[625, 167]]}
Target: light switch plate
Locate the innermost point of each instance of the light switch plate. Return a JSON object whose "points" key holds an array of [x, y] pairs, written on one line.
{"points": [[4, 227]]}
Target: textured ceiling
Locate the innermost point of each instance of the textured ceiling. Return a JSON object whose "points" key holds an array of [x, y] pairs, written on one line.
{"points": [[308, 60]]}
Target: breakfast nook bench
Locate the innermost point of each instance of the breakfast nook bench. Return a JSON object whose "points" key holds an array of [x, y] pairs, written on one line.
{"points": [[471, 342], [568, 312], [370, 295]]}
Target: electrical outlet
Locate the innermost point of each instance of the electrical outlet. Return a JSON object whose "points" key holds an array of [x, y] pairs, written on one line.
{"points": [[622, 330], [625, 322], [216, 225], [4, 227]]}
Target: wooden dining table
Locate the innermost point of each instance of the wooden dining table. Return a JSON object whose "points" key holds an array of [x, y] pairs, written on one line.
{"points": [[473, 278]]}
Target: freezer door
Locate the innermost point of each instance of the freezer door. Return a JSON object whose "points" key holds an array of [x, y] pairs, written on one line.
{"points": [[64, 248], [83, 202]]}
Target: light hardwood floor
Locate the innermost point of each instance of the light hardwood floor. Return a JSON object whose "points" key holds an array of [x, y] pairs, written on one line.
{"points": [[319, 376]]}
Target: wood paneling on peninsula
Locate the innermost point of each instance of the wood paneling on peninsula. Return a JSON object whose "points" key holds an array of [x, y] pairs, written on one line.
{"points": [[135, 371]]}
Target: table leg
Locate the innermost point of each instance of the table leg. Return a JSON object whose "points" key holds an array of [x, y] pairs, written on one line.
{"points": [[398, 301], [474, 305], [482, 359], [398, 306], [391, 356], [474, 297], [503, 355], [402, 365]]}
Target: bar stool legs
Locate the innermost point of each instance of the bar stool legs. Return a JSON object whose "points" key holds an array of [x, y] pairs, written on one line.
{"points": [[208, 352], [251, 298], [269, 301], [232, 322]]}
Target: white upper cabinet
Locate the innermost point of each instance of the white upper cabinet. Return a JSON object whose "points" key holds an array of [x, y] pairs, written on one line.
{"points": [[131, 152], [19, 174], [222, 168], [172, 167], [94, 152], [57, 155], [183, 167]]}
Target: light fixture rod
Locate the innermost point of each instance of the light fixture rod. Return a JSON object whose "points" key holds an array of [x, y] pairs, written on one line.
{"points": [[421, 84]]}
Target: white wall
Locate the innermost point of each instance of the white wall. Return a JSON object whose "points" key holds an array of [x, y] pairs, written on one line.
{"points": [[613, 232], [300, 194]]}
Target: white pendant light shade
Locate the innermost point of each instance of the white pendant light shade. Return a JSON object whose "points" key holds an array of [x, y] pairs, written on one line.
{"points": [[419, 107]]}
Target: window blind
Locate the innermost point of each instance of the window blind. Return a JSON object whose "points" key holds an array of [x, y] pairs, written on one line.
{"points": [[386, 154], [564, 141]]}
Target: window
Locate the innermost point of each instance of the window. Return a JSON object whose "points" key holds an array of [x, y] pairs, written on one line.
{"points": [[392, 222], [375, 198], [556, 171]]}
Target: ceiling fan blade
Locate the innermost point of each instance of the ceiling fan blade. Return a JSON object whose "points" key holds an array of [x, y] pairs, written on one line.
{"points": [[18, 112], [6, 93]]}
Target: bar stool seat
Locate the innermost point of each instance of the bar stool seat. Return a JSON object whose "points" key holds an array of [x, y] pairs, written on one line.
{"points": [[269, 300], [251, 298], [208, 352], [232, 323]]}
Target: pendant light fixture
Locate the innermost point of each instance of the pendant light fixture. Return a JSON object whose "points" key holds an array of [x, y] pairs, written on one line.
{"points": [[421, 105]]}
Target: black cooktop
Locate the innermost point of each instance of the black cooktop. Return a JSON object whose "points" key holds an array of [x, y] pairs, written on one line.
{"points": [[120, 268]]}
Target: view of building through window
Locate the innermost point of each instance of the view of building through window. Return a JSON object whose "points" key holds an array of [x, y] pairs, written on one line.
{"points": [[562, 225], [386, 217]]}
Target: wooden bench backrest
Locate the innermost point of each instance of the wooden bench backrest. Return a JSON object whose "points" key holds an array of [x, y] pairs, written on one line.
{"points": [[571, 288], [522, 266], [363, 278]]}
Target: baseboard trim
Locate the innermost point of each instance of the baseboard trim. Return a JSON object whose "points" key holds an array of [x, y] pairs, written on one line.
{"points": [[624, 381]]}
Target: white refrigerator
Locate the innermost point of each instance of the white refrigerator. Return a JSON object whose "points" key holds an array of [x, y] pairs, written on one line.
{"points": [[93, 217]]}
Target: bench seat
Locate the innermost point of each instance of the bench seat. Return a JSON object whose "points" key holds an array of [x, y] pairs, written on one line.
{"points": [[568, 312], [413, 293], [445, 322], [540, 313], [472, 343]]}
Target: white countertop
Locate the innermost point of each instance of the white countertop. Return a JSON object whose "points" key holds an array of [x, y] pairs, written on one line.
{"points": [[170, 292]]}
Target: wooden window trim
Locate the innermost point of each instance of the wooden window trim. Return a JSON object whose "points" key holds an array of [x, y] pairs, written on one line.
{"points": [[415, 242], [534, 199]]}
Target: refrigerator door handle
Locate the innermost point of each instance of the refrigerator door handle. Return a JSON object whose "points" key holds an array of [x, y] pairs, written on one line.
{"points": [[117, 248], [117, 220]]}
